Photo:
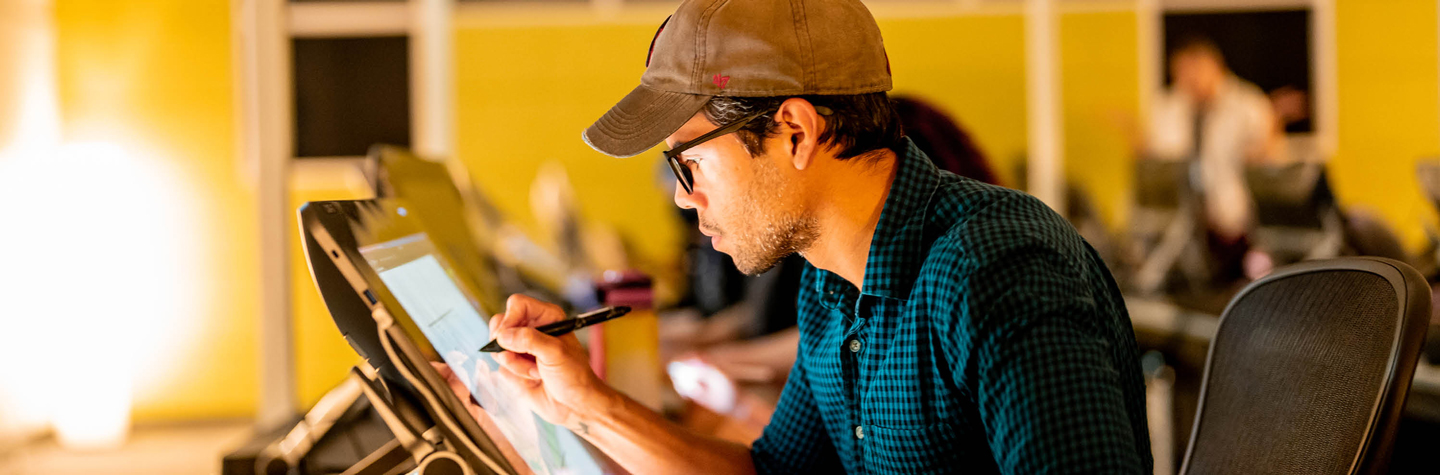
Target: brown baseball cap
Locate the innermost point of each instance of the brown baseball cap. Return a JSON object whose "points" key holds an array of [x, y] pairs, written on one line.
{"points": [[745, 48]]}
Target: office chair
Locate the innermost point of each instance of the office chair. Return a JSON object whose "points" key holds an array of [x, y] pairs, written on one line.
{"points": [[1309, 370], [1165, 227], [1295, 214]]}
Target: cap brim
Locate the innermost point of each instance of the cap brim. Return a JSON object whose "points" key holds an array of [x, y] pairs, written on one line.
{"points": [[641, 121]]}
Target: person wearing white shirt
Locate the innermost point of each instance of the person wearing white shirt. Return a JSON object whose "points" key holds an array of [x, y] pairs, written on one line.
{"points": [[1220, 122]]}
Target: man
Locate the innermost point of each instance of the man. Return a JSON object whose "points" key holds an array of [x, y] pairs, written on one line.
{"points": [[945, 325], [1220, 122]]}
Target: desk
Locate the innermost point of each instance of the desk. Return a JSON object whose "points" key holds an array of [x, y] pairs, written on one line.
{"points": [[1163, 318], [170, 449]]}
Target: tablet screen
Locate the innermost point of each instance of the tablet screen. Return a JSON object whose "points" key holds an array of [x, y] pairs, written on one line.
{"points": [[418, 280]]}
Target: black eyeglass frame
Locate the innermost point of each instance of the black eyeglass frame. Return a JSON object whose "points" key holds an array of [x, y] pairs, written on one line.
{"points": [[682, 172]]}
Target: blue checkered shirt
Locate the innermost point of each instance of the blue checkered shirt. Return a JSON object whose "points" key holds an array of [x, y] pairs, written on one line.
{"points": [[988, 338]]}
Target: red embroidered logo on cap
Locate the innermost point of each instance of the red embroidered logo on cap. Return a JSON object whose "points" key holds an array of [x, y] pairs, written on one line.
{"points": [[721, 80], [651, 53]]}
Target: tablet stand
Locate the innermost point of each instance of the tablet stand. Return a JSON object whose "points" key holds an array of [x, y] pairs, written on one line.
{"points": [[437, 438], [397, 456], [428, 438], [411, 444], [291, 451]]}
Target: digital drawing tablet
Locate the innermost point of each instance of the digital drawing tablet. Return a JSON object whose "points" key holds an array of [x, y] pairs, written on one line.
{"points": [[412, 310]]}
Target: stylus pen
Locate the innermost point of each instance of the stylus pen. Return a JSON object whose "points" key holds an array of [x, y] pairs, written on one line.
{"points": [[566, 326]]}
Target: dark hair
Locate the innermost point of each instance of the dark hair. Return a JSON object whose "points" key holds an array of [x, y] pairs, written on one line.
{"points": [[1197, 44], [859, 124]]}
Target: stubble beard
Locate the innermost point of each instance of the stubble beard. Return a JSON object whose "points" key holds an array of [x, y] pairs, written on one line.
{"points": [[772, 230]]}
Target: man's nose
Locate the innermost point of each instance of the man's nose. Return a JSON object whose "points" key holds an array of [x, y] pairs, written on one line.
{"points": [[686, 200]]}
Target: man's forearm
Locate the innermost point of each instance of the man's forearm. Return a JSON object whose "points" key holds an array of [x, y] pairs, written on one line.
{"points": [[643, 442]]}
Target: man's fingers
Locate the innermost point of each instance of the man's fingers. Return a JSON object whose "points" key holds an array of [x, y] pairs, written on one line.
{"points": [[526, 311], [533, 390], [496, 322], [518, 365], [570, 340], [530, 386], [456, 385], [444, 370], [546, 349]]}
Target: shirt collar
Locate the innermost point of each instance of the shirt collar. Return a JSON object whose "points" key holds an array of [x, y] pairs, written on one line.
{"points": [[896, 248]]}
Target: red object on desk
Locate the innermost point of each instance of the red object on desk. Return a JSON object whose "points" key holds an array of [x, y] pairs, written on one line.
{"points": [[630, 288]]}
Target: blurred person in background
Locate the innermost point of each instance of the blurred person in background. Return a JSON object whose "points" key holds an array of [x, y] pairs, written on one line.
{"points": [[1219, 122]]}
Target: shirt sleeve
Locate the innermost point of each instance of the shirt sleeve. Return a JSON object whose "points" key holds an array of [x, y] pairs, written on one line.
{"points": [[795, 441], [1047, 385]]}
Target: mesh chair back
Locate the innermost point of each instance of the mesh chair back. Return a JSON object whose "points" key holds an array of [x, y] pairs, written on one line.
{"points": [[1309, 369]]}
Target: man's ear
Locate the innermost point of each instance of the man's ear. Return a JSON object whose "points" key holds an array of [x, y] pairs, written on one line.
{"points": [[800, 126]]}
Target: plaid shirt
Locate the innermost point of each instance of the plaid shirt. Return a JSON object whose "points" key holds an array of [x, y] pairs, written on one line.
{"points": [[989, 338]]}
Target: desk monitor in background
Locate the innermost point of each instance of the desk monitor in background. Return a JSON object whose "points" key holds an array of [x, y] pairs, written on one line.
{"points": [[457, 219], [494, 259], [390, 262]]}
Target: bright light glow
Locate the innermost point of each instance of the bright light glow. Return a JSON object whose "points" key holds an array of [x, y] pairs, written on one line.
{"points": [[98, 418], [29, 127], [101, 272], [100, 254]]}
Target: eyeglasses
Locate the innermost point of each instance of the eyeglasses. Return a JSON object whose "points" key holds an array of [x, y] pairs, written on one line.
{"points": [[682, 172]]}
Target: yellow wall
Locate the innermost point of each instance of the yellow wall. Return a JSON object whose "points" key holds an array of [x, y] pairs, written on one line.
{"points": [[523, 97], [1100, 95], [1389, 108], [973, 68], [155, 76]]}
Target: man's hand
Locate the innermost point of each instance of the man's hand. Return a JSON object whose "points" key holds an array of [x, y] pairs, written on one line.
{"points": [[554, 376], [552, 373]]}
